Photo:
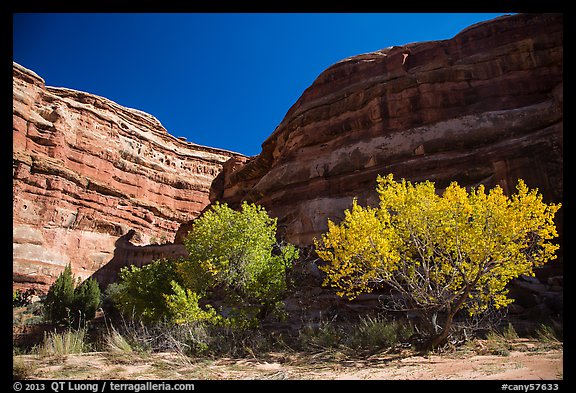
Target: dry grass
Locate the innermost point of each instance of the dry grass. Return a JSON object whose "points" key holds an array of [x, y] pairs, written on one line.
{"points": [[63, 344], [116, 343], [526, 360]]}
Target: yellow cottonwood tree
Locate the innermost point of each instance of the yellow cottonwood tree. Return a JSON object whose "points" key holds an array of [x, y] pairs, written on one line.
{"points": [[439, 253]]}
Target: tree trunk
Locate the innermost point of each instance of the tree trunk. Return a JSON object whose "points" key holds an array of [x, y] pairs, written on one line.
{"points": [[440, 338]]}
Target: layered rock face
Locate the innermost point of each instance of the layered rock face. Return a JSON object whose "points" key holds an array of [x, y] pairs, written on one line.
{"points": [[87, 172], [484, 107]]}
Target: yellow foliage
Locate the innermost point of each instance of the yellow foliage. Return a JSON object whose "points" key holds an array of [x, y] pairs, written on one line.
{"points": [[439, 247]]}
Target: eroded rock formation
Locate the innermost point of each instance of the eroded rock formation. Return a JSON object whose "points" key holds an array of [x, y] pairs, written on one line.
{"points": [[482, 107], [97, 184], [86, 172]]}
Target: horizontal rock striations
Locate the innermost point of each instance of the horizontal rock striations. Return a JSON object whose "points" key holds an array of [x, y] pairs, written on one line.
{"points": [[87, 171], [484, 107]]}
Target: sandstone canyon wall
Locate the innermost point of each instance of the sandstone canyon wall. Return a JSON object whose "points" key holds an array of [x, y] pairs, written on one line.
{"points": [[484, 107], [95, 183]]}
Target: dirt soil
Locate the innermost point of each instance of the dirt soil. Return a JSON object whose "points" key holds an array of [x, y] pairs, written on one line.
{"points": [[525, 364]]}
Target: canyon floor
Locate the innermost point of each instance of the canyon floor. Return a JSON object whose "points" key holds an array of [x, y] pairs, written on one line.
{"points": [[527, 360]]}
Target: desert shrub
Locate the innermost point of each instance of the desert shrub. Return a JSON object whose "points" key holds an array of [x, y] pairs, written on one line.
{"points": [[21, 369], [440, 253], [63, 344], [116, 343], [32, 314], [373, 332], [58, 303], [367, 333], [191, 338], [141, 290], [86, 299], [509, 333], [23, 298], [322, 335], [546, 334], [497, 344], [68, 304]]}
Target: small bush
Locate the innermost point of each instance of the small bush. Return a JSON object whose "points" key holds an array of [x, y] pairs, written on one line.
{"points": [[183, 307], [500, 343], [377, 332], [496, 344], [58, 303], [86, 299], [116, 343], [509, 333], [546, 334], [31, 314], [370, 332], [191, 338], [141, 290], [324, 336], [23, 298], [63, 344], [68, 305], [20, 369]]}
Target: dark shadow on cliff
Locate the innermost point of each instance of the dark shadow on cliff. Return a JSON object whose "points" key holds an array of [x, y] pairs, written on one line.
{"points": [[126, 253]]}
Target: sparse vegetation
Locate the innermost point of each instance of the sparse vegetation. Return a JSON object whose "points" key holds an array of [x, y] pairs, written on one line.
{"points": [[20, 368], [378, 332], [369, 333], [23, 298], [547, 334], [116, 343], [63, 344]]}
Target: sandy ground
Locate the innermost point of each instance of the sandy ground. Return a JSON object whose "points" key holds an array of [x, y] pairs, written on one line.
{"points": [[516, 365]]}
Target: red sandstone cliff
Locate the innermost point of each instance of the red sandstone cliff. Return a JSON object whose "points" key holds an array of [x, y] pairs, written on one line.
{"points": [[87, 171], [95, 183], [482, 107]]}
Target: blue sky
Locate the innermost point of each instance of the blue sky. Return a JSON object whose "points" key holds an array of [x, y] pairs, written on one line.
{"points": [[221, 80]]}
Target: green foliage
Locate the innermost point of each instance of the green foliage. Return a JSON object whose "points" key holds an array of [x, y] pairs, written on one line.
{"points": [[183, 307], [66, 304], [23, 298], [86, 299], [441, 253], [58, 303], [234, 261], [235, 254], [141, 290]]}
